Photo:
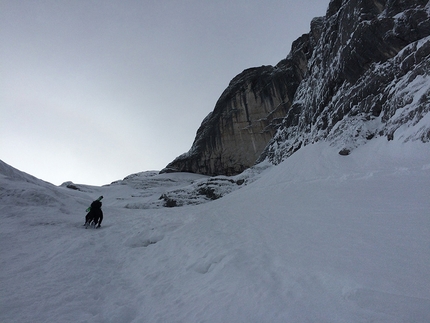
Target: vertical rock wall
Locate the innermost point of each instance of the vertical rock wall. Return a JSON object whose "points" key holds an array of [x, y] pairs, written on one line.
{"points": [[232, 137], [245, 118], [362, 71]]}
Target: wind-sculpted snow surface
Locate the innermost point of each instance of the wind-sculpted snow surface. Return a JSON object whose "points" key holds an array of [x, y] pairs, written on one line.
{"points": [[369, 76], [318, 238]]}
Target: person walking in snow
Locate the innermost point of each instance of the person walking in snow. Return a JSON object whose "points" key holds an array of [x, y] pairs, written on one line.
{"points": [[95, 215]]}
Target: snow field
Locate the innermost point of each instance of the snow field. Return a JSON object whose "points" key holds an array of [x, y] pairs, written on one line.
{"points": [[318, 238]]}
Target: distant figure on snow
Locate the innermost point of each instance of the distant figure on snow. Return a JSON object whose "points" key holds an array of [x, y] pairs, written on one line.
{"points": [[95, 215]]}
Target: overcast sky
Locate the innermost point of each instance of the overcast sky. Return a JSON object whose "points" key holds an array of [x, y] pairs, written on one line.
{"points": [[94, 90]]}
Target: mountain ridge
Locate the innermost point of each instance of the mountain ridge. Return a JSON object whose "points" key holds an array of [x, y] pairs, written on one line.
{"points": [[361, 72]]}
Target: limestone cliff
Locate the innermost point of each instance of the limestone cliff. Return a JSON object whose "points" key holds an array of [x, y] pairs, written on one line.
{"points": [[245, 117], [232, 137], [363, 71]]}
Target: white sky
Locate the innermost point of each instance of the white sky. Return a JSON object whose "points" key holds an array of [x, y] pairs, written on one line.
{"points": [[92, 91]]}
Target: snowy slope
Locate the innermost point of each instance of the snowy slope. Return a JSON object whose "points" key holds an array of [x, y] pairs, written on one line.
{"points": [[318, 238]]}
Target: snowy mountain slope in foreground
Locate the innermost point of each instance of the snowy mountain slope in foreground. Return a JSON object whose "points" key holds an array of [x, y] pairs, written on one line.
{"points": [[319, 238]]}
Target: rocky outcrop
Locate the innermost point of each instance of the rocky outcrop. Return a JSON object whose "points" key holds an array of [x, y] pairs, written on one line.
{"points": [[233, 136], [369, 76], [363, 71]]}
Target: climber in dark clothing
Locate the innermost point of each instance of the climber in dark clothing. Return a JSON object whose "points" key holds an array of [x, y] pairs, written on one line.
{"points": [[95, 215]]}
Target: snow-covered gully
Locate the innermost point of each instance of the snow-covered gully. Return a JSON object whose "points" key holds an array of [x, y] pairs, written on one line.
{"points": [[319, 238]]}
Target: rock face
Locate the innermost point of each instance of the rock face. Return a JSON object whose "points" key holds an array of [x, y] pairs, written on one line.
{"points": [[245, 118], [233, 136], [362, 71], [369, 76]]}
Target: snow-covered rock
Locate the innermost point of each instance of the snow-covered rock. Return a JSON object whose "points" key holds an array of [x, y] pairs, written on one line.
{"points": [[363, 71], [369, 76]]}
